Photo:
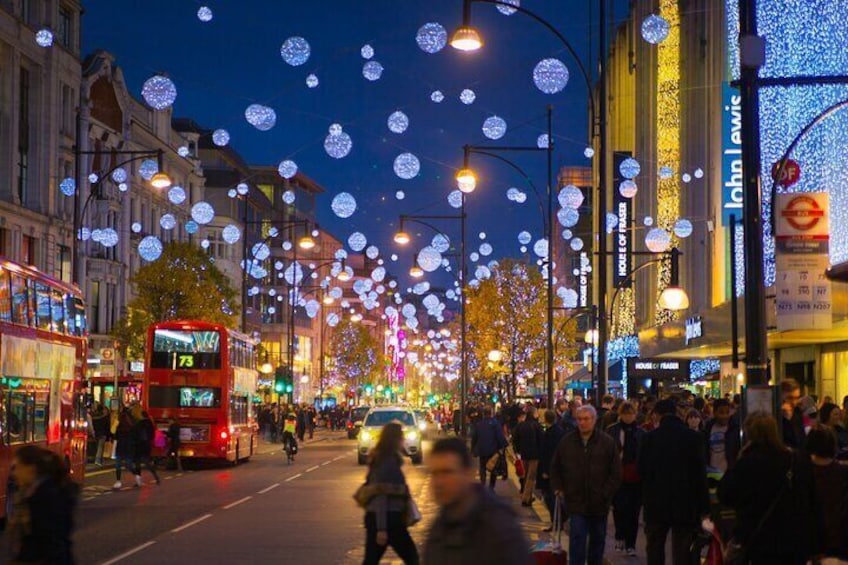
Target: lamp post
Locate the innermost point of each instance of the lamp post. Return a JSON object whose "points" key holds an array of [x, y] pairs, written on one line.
{"points": [[468, 38], [547, 223], [467, 183], [159, 180]]}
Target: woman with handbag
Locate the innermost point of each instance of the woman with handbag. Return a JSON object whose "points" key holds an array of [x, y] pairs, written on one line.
{"points": [[771, 490], [389, 508], [628, 498]]}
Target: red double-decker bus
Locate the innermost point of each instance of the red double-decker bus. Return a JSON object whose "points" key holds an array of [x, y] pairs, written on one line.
{"points": [[203, 376], [43, 350]]}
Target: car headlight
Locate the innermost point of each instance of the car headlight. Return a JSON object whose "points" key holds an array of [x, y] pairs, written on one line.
{"points": [[422, 426], [412, 435], [365, 436]]}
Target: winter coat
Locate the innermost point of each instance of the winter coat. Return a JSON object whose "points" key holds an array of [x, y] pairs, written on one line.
{"points": [[673, 474], [587, 475], [527, 439], [42, 521], [125, 436], [386, 479], [633, 435], [550, 441], [487, 438], [750, 488], [143, 434], [489, 533], [100, 423]]}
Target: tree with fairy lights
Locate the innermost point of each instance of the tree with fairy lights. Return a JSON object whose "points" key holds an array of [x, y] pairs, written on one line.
{"points": [[355, 353], [182, 284]]}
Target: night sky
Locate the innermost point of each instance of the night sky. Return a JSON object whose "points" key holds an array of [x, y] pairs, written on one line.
{"points": [[222, 66]]}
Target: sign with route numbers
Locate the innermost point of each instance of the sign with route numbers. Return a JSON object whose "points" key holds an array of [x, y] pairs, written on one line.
{"points": [[802, 237]]}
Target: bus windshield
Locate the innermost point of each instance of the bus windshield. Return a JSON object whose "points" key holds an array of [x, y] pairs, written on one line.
{"points": [[184, 397], [186, 349]]}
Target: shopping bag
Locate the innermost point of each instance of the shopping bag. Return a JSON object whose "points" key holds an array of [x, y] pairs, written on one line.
{"points": [[413, 514], [160, 440], [551, 552], [520, 471], [492, 463]]}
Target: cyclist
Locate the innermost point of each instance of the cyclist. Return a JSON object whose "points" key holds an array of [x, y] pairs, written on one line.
{"points": [[289, 441]]}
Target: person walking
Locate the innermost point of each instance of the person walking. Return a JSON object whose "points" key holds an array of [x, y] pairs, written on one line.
{"points": [[472, 525], [41, 520], [674, 485], [100, 419], [771, 489], [585, 473], [301, 423], [551, 437], [831, 488], [527, 443], [174, 442], [386, 499], [125, 445], [487, 440], [310, 421], [628, 498], [143, 434], [722, 438]]}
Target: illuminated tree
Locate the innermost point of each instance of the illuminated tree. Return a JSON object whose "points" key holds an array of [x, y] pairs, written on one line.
{"points": [[354, 352], [183, 284]]}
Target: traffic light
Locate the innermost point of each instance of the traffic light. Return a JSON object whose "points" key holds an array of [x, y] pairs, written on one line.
{"points": [[279, 381]]}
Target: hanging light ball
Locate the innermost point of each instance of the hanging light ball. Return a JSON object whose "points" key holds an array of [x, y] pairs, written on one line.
{"points": [[467, 96], [506, 10], [204, 14], [367, 51], [576, 244], [136, 227], [176, 194], [683, 228], [202, 213], [357, 241], [159, 92], [261, 117], [655, 29], [400, 195], [570, 197], [295, 51], [494, 127], [455, 199], [524, 238], [699, 173], [372, 70], [289, 197], [168, 222], [148, 168], [629, 168], [431, 37], [437, 96], [666, 172], [407, 166], [429, 259], [44, 37], [657, 240], [220, 137], [337, 144], [343, 205], [108, 237], [550, 75], [628, 188], [398, 122], [231, 234], [568, 217], [540, 248], [542, 141], [150, 248], [287, 169], [68, 186], [192, 227], [311, 81]]}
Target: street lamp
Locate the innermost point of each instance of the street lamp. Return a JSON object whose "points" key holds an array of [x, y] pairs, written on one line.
{"points": [[466, 180], [495, 355], [161, 180], [673, 296], [466, 38], [415, 271], [402, 238], [591, 336], [306, 242]]}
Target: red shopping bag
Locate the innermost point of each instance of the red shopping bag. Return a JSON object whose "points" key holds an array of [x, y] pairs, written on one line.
{"points": [[551, 552], [520, 471]]}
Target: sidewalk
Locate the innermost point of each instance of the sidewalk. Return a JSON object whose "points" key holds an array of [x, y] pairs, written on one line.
{"points": [[536, 518]]}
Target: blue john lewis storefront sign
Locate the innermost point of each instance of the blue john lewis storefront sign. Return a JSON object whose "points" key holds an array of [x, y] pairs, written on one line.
{"points": [[731, 154]]}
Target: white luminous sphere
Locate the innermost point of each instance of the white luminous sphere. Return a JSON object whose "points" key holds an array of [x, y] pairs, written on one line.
{"points": [[570, 197], [150, 248], [655, 29], [467, 96], [366, 51], [231, 234], [176, 194], [542, 141], [372, 70], [506, 10], [400, 195], [337, 144], [407, 166], [343, 205], [629, 168], [220, 137], [657, 240], [628, 188], [202, 213], [287, 168], [261, 117], [289, 197], [429, 259], [524, 237], [168, 222], [204, 14], [295, 51], [437, 96], [44, 37], [494, 127], [311, 81], [432, 37], [683, 228], [159, 92], [550, 76], [148, 168], [68, 186], [398, 122], [357, 241], [455, 199]]}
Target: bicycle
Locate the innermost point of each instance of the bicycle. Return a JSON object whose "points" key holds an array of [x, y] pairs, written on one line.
{"points": [[290, 449]]}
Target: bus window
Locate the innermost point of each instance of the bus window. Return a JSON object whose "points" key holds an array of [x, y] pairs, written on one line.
{"points": [[184, 397], [5, 298], [239, 410], [20, 300], [42, 306], [79, 318], [18, 417], [185, 349], [70, 315], [40, 414], [57, 310]]}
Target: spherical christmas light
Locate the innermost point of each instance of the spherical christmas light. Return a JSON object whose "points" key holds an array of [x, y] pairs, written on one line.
{"points": [[429, 259], [202, 213], [44, 37], [260, 251], [524, 238], [657, 240], [655, 29], [666, 172], [167, 222], [357, 241], [485, 249], [378, 274], [242, 188], [192, 227], [68, 186], [176, 194], [648, 221], [366, 51], [431, 37], [398, 122], [576, 244], [231, 234], [550, 75], [119, 175], [455, 199], [289, 197], [148, 168], [699, 173], [295, 51], [204, 243], [482, 272], [612, 221], [372, 70], [287, 169], [108, 237], [686, 178], [566, 234], [400, 195], [512, 194], [150, 248], [136, 227], [467, 96], [683, 228], [183, 151], [311, 81], [437, 96], [628, 189], [494, 127], [159, 92], [372, 252], [343, 205], [629, 168], [261, 117], [570, 197], [540, 248], [440, 243], [542, 141], [589, 152], [204, 14], [337, 144], [568, 217], [407, 166]]}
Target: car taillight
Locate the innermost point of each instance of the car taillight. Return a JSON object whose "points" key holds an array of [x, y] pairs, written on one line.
{"points": [[350, 424], [224, 434]]}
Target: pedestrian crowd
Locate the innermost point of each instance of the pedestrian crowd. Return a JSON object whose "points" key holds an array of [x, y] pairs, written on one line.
{"points": [[272, 420]]}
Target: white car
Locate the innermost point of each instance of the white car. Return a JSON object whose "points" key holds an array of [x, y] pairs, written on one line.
{"points": [[380, 416]]}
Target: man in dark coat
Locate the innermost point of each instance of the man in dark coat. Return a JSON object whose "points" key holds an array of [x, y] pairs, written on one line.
{"points": [[550, 441], [487, 438], [793, 419], [674, 485], [473, 525], [527, 443], [585, 472]]}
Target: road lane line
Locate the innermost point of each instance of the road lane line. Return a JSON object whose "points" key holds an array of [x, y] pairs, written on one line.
{"points": [[237, 502], [128, 553], [312, 469], [100, 472], [339, 457], [269, 489], [326, 463], [190, 524], [89, 498], [293, 477]]}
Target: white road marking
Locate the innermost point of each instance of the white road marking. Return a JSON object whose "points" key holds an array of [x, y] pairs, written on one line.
{"points": [[270, 488], [326, 463], [339, 457], [237, 502], [293, 477], [89, 498], [128, 553], [192, 523], [312, 469]]}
